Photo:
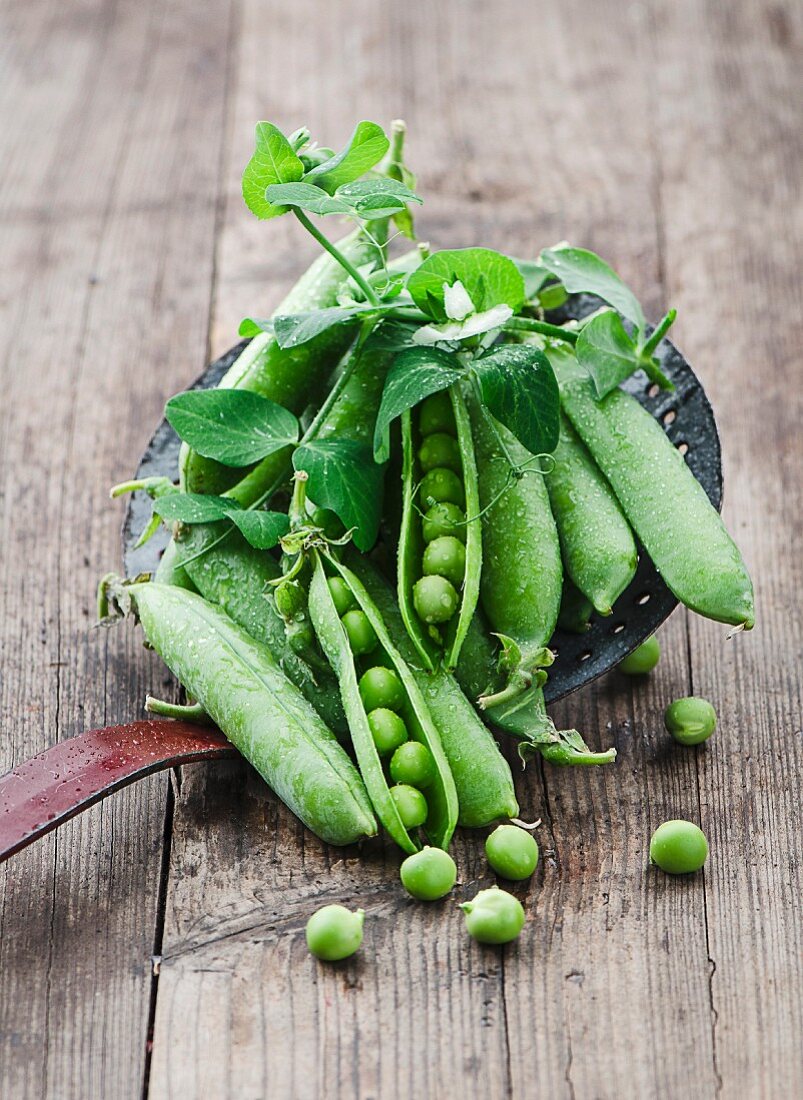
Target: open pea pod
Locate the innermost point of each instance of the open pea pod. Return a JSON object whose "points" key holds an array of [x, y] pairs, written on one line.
{"points": [[440, 642], [441, 794]]}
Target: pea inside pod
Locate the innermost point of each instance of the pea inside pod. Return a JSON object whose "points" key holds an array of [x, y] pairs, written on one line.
{"points": [[440, 545], [481, 774], [379, 692]]}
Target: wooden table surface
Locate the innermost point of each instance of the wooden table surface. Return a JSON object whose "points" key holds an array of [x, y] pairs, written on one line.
{"points": [[155, 944]]}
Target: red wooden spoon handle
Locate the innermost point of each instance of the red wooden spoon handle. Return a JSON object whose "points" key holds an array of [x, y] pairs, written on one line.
{"points": [[54, 786]]}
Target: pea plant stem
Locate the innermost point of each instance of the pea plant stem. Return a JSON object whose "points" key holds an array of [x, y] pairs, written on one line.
{"points": [[660, 332], [298, 505], [529, 324], [333, 251], [398, 132]]}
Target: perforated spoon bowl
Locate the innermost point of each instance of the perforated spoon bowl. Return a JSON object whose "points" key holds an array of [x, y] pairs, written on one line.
{"points": [[685, 414]]}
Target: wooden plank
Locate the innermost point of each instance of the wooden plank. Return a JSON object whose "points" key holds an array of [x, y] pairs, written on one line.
{"points": [[610, 951], [731, 163], [107, 228]]}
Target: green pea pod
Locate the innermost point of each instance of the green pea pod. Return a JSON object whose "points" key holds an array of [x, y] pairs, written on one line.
{"points": [[288, 376], [575, 609], [241, 687], [522, 578], [238, 579], [524, 716], [670, 512], [353, 415], [441, 794], [599, 551], [170, 570], [481, 774], [434, 643]]}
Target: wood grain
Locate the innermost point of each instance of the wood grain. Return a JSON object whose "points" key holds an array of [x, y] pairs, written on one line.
{"points": [[744, 67], [665, 135], [108, 220]]}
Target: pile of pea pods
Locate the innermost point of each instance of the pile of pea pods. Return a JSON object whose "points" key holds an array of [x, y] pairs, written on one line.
{"points": [[364, 679]]}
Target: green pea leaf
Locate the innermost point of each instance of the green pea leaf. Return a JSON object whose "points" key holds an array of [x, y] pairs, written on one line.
{"points": [[234, 427], [274, 161], [193, 507], [376, 198], [610, 354], [534, 275], [489, 278], [366, 147], [607, 352], [307, 197], [252, 326], [344, 477], [519, 387], [582, 271], [262, 530], [414, 374], [365, 199], [293, 329]]}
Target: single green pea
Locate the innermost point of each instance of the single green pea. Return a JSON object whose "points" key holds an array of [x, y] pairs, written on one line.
{"points": [[444, 519], [342, 596], [334, 932], [381, 687], [411, 804], [512, 852], [678, 847], [494, 916], [435, 599], [643, 659], [361, 635], [436, 414], [388, 730], [329, 522], [690, 721], [412, 763], [440, 449], [442, 486], [446, 557], [429, 874]]}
